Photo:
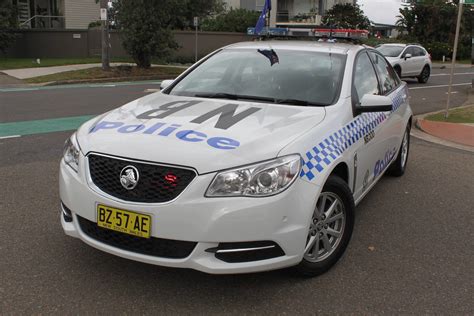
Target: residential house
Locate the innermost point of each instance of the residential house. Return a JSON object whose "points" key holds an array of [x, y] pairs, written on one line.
{"points": [[57, 14], [294, 13]]}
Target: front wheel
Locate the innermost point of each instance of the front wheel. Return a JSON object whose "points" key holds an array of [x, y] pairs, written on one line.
{"points": [[424, 75], [330, 228]]}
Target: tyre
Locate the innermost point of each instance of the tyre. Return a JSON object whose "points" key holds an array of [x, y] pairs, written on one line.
{"points": [[330, 229], [398, 167], [424, 75], [398, 70]]}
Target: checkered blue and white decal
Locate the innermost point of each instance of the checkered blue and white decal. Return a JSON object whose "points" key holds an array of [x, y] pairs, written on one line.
{"points": [[330, 148]]}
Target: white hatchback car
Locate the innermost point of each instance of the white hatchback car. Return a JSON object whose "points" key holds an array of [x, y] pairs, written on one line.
{"points": [[408, 60], [251, 160]]}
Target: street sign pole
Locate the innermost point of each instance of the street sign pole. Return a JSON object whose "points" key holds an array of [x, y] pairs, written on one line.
{"points": [[105, 35], [196, 23], [453, 62]]}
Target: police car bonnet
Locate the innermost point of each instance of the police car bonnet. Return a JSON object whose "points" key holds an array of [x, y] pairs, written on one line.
{"points": [[206, 134]]}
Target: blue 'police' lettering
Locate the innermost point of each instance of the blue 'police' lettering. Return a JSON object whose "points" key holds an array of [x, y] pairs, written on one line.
{"points": [[383, 163], [167, 131], [131, 128], [154, 128], [223, 143], [105, 125], [184, 135], [187, 135]]}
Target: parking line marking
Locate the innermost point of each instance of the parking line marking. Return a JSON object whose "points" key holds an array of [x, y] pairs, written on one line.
{"points": [[456, 74], [12, 129], [12, 136], [440, 86]]}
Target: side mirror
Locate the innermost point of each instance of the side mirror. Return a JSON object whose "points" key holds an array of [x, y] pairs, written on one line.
{"points": [[165, 84], [374, 103], [407, 56]]}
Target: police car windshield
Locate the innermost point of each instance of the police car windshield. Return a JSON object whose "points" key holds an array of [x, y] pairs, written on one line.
{"points": [[390, 50], [267, 75]]}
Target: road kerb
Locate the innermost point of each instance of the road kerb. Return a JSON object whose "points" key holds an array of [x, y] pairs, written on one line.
{"points": [[418, 132]]}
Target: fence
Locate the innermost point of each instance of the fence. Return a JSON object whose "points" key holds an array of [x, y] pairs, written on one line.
{"points": [[87, 43]]}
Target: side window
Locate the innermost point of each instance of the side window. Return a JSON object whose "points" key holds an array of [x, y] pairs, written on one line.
{"points": [[365, 79], [388, 79], [419, 52], [409, 50]]}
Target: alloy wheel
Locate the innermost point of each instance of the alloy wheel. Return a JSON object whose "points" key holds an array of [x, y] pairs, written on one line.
{"points": [[404, 149], [326, 228], [426, 74]]}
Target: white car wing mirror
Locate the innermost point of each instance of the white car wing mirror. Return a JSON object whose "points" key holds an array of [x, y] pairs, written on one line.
{"points": [[165, 84], [375, 103]]}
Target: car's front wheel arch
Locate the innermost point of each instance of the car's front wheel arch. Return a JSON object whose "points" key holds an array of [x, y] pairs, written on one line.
{"points": [[330, 227]]}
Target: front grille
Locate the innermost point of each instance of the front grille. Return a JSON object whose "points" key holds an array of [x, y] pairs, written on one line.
{"points": [[158, 247], [156, 183]]}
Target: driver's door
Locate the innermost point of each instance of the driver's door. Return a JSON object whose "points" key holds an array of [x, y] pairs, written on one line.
{"points": [[408, 64]]}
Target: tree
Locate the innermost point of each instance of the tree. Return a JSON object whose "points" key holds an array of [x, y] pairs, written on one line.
{"points": [[199, 8], [234, 20], [406, 20], [146, 25], [346, 16], [433, 24], [8, 22]]}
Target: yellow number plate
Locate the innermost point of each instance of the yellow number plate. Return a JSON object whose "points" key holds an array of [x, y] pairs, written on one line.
{"points": [[124, 221]]}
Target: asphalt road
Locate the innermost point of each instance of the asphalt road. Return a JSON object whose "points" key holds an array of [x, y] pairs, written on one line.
{"points": [[411, 252], [433, 95]]}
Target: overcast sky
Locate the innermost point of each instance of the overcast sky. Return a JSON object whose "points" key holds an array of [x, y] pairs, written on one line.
{"points": [[380, 11]]}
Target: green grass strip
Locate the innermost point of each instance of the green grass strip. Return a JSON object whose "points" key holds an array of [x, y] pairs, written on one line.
{"points": [[456, 115], [42, 126]]}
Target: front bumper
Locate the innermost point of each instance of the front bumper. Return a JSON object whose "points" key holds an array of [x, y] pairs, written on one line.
{"points": [[209, 222]]}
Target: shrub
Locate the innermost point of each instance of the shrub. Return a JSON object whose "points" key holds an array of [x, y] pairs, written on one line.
{"points": [[234, 20]]}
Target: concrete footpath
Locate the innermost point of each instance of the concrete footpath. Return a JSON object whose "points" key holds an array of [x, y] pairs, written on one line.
{"points": [[9, 81], [26, 73]]}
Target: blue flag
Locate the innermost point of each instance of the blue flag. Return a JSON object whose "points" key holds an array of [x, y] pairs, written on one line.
{"points": [[261, 20]]}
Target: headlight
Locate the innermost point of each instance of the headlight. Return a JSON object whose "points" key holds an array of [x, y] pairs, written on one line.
{"points": [[71, 153], [263, 179]]}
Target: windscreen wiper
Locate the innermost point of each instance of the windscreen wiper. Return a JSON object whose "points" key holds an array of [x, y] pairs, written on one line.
{"points": [[298, 102], [233, 97], [230, 96]]}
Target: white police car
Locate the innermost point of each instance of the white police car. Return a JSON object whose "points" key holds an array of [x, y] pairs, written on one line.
{"points": [[252, 160]]}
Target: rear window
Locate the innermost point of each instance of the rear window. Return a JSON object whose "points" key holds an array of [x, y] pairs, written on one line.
{"points": [[419, 51], [390, 50]]}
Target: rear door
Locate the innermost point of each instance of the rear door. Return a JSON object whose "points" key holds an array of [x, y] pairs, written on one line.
{"points": [[365, 81], [382, 130], [419, 59], [391, 131]]}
